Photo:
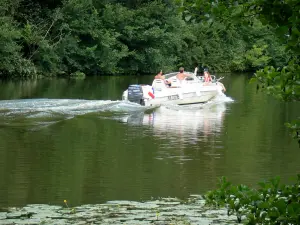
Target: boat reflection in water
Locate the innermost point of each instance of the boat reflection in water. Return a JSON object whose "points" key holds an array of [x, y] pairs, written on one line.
{"points": [[189, 124]]}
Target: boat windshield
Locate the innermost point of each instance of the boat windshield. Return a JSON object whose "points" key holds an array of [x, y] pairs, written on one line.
{"points": [[169, 75]]}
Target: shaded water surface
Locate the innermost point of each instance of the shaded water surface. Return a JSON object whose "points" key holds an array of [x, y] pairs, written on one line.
{"points": [[76, 140]]}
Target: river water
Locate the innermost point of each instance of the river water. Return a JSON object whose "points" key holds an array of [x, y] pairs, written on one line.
{"points": [[76, 140]]}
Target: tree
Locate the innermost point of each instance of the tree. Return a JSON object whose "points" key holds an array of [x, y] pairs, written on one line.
{"points": [[284, 17], [11, 60]]}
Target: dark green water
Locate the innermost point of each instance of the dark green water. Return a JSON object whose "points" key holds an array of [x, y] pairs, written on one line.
{"points": [[74, 140]]}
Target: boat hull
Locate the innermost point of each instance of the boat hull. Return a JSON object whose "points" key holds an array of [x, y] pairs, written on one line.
{"points": [[182, 99]]}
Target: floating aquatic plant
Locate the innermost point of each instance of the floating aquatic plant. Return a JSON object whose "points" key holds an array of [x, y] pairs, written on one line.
{"points": [[73, 210], [157, 214], [66, 203]]}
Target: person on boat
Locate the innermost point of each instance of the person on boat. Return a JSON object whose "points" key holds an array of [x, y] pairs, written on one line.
{"points": [[162, 77], [207, 77], [181, 75], [208, 80]]}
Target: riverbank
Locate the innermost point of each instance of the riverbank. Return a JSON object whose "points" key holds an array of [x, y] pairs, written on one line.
{"points": [[161, 211]]}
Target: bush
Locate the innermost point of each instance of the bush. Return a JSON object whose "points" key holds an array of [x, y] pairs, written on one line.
{"points": [[272, 203]]}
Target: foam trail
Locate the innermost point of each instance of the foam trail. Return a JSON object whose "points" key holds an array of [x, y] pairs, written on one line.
{"points": [[55, 110], [38, 113], [222, 98], [65, 106]]}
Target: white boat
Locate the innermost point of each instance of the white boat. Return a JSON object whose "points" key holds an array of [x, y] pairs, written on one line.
{"points": [[191, 90]]}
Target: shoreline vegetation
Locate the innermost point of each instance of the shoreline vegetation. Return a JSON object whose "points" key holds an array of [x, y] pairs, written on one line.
{"points": [[271, 203], [81, 38]]}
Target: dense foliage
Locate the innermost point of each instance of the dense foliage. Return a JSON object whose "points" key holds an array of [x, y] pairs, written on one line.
{"points": [[271, 203], [130, 36], [276, 62]]}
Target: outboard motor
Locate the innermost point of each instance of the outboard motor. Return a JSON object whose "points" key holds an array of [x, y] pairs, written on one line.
{"points": [[135, 94]]}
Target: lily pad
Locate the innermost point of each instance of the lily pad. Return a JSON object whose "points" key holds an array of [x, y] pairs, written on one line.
{"points": [[161, 211]]}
